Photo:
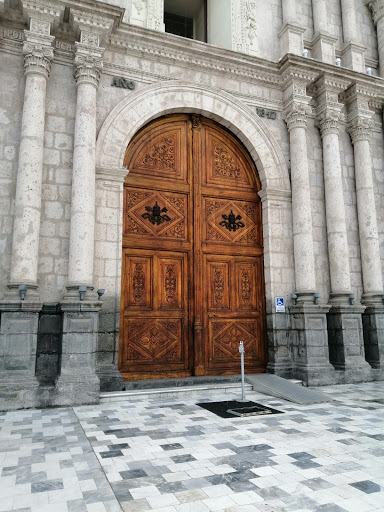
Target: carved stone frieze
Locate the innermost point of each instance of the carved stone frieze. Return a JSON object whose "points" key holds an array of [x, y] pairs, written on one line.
{"points": [[244, 35], [40, 26], [155, 15], [360, 128], [88, 64], [38, 54]]}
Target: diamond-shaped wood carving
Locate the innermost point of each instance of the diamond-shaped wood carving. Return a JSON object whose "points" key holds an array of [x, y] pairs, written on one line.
{"points": [[218, 211], [172, 207], [226, 336], [154, 340]]}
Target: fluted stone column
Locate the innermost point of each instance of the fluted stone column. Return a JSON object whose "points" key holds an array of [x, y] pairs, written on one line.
{"points": [[310, 341], [323, 43], [353, 51], [291, 34], [345, 329], [19, 319], [377, 8], [359, 127]]}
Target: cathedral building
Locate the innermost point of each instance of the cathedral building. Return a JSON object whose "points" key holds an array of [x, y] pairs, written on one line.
{"points": [[178, 176]]}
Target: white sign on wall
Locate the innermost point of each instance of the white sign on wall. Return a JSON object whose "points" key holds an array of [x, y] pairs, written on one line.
{"points": [[280, 306]]}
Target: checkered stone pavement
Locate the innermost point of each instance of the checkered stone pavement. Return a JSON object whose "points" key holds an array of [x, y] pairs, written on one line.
{"points": [[172, 456]]}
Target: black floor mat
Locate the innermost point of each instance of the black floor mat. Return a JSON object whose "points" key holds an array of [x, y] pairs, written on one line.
{"points": [[236, 409]]}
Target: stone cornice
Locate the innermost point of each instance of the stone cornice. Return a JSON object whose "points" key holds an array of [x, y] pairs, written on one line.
{"points": [[49, 9], [156, 45]]}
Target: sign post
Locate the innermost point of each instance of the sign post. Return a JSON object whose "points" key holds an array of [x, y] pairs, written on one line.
{"points": [[241, 350]]}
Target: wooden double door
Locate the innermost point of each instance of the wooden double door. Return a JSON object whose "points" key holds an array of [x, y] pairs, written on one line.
{"points": [[192, 268]]}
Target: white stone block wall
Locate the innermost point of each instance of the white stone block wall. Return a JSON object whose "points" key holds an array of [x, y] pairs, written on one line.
{"points": [[57, 182], [11, 108]]}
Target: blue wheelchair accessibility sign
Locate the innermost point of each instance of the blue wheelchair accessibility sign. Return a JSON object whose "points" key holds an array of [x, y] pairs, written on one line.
{"points": [[280, 306]]}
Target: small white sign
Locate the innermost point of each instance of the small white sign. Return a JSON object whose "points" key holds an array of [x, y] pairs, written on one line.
{"points": [[280, 306]]}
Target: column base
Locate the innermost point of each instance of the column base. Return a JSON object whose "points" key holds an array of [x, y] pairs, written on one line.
{"points": [[345, 337], [310, 345], [78, 383], [18, 392], [13, 294], [18, 342], [77, 389], [110, 378], [373, 329]]}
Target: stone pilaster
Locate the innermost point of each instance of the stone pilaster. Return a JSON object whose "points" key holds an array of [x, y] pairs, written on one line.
{"points": [[359, 127], [377, 8], [291, 34], [323, 44], [353, 51], [309, 325], [345, 333]]}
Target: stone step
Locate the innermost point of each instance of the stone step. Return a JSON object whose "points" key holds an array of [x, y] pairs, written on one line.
{"points": [[195, 390]]}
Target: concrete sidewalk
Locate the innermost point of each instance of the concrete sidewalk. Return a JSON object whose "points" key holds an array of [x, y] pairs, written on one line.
{"points": [[171, 455]]}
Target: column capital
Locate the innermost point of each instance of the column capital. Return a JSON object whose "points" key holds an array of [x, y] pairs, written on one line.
{"points": [[328, 120], [296, 114], [88, 64], [377, 8], [38, 53], [360, 128]]}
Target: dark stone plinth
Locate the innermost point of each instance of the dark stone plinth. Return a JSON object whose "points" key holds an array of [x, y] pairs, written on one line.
{"points": [[110, 378], [78, 382], [18, 340], [310, 344], [279, 345], [49, 344], [346, 345], [373, 329]]}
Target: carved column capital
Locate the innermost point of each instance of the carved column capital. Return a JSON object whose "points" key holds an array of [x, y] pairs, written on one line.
{"points": [[360, 128], [377, 8], [296, 114], [328, 120], [38, 53], [88, 64]]}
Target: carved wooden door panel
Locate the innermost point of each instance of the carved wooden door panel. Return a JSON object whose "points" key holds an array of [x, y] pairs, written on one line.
{"points": [[157, 250], [192, 268], [232, 301]]}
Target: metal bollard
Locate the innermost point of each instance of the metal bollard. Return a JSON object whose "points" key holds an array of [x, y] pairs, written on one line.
{"points": [[241, 350]]}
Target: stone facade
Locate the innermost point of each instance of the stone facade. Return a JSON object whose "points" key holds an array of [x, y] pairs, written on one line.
{"points": [[298, 82]]}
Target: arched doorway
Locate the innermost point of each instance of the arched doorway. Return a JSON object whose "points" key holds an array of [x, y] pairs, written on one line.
{"points": [[192, 268]]}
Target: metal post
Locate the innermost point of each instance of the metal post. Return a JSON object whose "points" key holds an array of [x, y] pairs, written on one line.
{"points": [[241, 350]]}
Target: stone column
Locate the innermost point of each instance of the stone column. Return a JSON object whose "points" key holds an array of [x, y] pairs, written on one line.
{"points": [[359, 127], [353, 51], [345, 329], [323, 43], [310, 343], [78, 382], [19, 318], [377, 8], [38, 54], [291, 34]]}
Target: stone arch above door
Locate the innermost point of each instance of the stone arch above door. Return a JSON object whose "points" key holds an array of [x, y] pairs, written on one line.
{"points": [[170, 97]]}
